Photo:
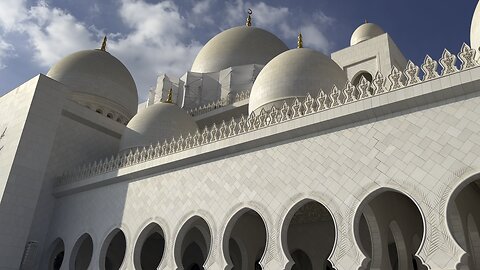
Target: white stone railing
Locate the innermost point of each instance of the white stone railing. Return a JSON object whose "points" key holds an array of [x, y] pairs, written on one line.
{"points": [[220, 103], [299, 108]]}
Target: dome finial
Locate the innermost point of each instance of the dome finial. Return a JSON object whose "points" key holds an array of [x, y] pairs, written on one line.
{"points": [[249, 18], [300, 40], [366, 21], [104, 44], [170, 96]]}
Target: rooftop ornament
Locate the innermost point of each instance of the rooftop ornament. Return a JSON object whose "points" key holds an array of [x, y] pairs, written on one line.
{"points": [[300, 40], [169, 98], [104, 44], [249, 18]]}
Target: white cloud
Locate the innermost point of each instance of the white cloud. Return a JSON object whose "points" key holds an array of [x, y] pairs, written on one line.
{"points": [[6, 50], [54, 33], [282, 22], [268, 16], [12, 12], [315, 39], [201, 7], [157, 39], [157, 43]]}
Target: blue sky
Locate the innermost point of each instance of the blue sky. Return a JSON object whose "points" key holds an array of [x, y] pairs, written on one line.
{"points": [[154, 37]]}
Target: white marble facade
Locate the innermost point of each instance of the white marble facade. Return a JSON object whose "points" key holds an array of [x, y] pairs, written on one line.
{"points": [[381, 172]]}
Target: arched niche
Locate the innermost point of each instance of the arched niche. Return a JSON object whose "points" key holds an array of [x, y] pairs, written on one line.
{"points": [[82, 253], [388, 226], [245, 240], [149, 248], [193, 244], [308, 236], [463, 217], [112, 253], [57, 254]]}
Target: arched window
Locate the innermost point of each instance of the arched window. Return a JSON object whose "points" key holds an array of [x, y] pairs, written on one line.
{"points": [[308, 235], [57, 254], [82, 253], [112, 253], [149, 248], [192, 245], [463, 218], [384, 232], [246, 237]]}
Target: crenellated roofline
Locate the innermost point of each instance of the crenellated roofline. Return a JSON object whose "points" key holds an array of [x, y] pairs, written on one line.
{"points": [[318, 109]]}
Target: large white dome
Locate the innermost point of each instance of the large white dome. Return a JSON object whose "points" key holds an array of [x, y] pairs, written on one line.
{"points": [[364, 32], [475, 29], [156, 123], [294, 73], [238, 46], [99, 77]]}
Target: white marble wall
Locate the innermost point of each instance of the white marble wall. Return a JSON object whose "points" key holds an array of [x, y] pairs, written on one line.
{"points": [[424, 153]]}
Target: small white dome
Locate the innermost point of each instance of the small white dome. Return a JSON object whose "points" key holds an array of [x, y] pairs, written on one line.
{"points": [[475, 29], [242, 45], [156, 123], [294, 73], [97, 76], [364, 32]]}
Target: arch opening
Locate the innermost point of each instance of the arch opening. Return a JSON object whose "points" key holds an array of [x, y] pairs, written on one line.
{"points": [[463, 219], [57, 254], [82, 253], [308, 236], [192, 245], [149, 248], [245, 240], [113, 251], [387, 229]]}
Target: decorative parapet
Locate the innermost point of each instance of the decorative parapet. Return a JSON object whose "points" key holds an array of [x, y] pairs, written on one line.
{"points": [[299, 108], [220, 103]]}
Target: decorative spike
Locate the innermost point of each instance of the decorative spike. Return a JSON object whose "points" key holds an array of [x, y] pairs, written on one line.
{"points": [[335, 97], [411, 72], [285, 111], [296, 108], [364, 88], [321, 101], [448, 63], [349, 93], [232, 128], [308, 104], [395, 78], [274, 115], [429, 68], [467, 56]]}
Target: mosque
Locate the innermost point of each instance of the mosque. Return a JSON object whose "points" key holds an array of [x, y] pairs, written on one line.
{"points": [[259, 157]]}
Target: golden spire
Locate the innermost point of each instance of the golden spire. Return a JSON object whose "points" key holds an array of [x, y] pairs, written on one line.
{"points": [[249, 18], [169, 98], [300, 40], [104, 44]]}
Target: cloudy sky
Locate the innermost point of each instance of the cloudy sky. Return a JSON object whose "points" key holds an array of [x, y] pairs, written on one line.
{"points": [[154, 37]]}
